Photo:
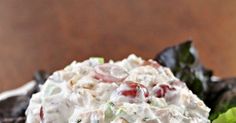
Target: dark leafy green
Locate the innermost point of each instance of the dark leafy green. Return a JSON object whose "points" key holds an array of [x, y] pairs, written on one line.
{"points": [[12, 109], [221, 96], [183, 60]]}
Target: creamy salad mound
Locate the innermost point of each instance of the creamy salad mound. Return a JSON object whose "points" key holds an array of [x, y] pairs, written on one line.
{"points": [[128, 91]]}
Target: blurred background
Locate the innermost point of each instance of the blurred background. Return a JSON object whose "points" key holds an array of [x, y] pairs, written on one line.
{"points": [[49, 34]]}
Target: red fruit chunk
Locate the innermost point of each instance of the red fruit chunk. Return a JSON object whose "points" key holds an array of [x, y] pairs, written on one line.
{"points": [[163, 90], [110, 73], [41, 114], [135, 89], [132, 93]]}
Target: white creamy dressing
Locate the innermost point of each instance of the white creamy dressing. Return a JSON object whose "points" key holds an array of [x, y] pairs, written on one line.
{"points": [[126, 91]]}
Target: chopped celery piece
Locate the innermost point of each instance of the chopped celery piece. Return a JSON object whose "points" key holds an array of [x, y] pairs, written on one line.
{"points": [[120, 112], [109, 113], [100, 60]]}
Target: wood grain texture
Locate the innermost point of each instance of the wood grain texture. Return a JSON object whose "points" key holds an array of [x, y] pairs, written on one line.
{"points": [[49, 34]]}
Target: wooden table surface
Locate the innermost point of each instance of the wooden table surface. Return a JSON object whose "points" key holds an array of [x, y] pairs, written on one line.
{"points": [[49, 34]]}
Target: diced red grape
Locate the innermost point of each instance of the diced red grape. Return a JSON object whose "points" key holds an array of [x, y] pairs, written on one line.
{"points": [[131, 93], [110, 73], [41, 114], [135, 89], [163, 90]]}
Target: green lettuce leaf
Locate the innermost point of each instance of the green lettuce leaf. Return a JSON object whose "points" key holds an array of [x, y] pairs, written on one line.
{"points": [[227, 117]]}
